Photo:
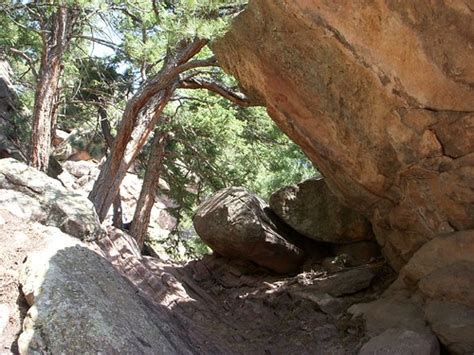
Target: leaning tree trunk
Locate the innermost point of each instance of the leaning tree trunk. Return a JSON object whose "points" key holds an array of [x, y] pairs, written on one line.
{"points": [[55, 42], [140, 117], [117, 219], [141, 218], [124, 152]]}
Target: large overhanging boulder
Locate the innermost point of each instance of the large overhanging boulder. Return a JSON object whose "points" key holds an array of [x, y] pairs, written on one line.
{"points": [[380, 97]]}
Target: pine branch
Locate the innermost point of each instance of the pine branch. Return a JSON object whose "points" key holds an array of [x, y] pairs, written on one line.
{"points": [[25, 57], [200, 83]]}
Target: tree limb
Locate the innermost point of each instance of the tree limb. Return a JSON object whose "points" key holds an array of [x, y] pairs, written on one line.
{"points": [[213, 86], [100, 41], [27, 58], [198, 63]]}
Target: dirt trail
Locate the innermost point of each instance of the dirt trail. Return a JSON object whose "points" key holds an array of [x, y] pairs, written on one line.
{"points": [[225, 306], [236, 307]]}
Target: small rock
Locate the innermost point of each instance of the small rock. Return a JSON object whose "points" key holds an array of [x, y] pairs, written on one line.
{"points": [[67, 179], [342, 283], [334, 264], [80, 168], [391, 312], [358, 253], [401, 341], [328, 304]]}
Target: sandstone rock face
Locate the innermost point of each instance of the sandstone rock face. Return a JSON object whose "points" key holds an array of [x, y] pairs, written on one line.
{"points": [[236, 223], [443, 271], [312, 209], [29, 194], [454, 282], [438, 254], [392, 311], [342, 283], [81, 304], [380, 97], [8, 101]]}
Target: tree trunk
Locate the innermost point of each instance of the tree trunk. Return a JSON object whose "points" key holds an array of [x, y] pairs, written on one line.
{"points": [[140, 117], [55, 42], [141, 218], [124, 152], [117, 219]]}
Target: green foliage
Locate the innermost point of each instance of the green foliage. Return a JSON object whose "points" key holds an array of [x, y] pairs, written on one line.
{"points": [[213, 143]]}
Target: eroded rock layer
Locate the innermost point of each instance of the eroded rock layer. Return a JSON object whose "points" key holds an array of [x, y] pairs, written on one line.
{"points": [[380, 96]]}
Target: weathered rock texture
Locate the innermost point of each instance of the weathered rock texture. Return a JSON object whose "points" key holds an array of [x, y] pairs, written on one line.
{"points": [[8, 101], [438, 254], [401, 341], [29, 194], [443, 270], [81, 304], [380, 97], [312, 209], [238, 224], [7, 95], [104, 297]]}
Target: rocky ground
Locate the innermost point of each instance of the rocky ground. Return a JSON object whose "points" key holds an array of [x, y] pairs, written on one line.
{"points": [[102, 287], [70, 283], [232, 306]]}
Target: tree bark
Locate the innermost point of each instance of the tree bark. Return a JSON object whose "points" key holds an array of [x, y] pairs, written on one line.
{"points": [[140, 117], [141, 217], [117, 219], [123, 153], [55, 43]]}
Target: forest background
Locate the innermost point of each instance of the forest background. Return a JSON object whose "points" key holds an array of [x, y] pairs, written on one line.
{"points": [[137, 82]]}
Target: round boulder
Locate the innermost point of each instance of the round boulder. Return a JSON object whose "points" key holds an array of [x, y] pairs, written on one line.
{"points": [[238, 224], [314, 211]]}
